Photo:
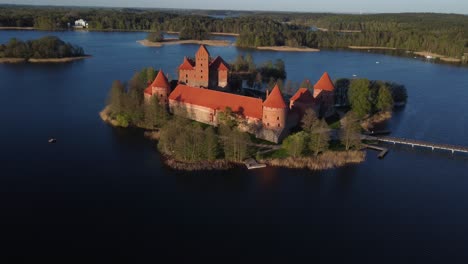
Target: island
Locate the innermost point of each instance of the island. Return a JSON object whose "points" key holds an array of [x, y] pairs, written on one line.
{"points": [[47, 49], [214, 117]]}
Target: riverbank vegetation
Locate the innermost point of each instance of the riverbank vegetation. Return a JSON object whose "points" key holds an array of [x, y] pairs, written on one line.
{"points": [[44, 48], [444, 34]]}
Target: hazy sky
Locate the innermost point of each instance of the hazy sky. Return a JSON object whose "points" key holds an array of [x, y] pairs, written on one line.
{"points": [[348, 6]]}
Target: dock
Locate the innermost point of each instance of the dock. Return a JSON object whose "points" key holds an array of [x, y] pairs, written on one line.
{"points": [[418, 143], [383, 151], [252, 164]]}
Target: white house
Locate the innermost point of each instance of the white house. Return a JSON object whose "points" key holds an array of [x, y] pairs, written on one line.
{"points": [[81, 23]]}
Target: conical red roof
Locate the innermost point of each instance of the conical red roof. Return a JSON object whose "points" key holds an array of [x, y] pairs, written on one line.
{"points": [[161, 81], [202, 51], [325, 83], [275, 99], [186, 65]]}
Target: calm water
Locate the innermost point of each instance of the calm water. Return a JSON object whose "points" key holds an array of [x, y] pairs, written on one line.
{"points": [[103, 191]]}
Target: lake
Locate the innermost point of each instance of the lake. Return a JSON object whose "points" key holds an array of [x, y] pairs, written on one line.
{"points": [[101, 191]]}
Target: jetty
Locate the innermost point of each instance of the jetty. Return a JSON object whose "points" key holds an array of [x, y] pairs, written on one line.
{"points": [[383, 151], [253, 164], [418, 143]]}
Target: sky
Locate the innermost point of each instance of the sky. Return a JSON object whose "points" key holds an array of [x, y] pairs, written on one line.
{"points": [[337, 6]]}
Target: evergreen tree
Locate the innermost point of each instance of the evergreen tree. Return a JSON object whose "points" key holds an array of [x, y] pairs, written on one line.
{"points": [[359, 97], [384, 99]]}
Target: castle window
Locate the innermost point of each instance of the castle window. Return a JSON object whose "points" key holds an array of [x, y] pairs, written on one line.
{"points": [[186, 75], [278, 125], [277, 118], [268, 124], [265, 116]]}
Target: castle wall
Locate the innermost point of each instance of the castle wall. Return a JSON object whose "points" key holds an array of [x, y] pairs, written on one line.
{"points": [[195, 112], [274, 118]]}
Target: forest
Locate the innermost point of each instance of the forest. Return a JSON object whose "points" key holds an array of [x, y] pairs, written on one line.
{"points": [[43, 48], [445, 34]]}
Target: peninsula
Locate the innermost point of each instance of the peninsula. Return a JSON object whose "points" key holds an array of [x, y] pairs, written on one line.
{"points": [[44, 50]]}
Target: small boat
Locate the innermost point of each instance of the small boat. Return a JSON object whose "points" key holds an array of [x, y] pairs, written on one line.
{"points": [[52, 140], [354, 75], [377, 62]]}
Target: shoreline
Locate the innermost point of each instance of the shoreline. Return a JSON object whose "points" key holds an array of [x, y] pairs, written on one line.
{"points": [[427, 54], [325, 161], [287, 49], [208, 42], [370, 48], [48, 60]]}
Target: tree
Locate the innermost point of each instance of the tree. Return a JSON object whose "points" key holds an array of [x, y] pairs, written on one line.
{"points": [[384, 99], [319, 137], [235, 143], [294, 144], [115, 99], [306, 84], [227, 118], [156, 36], [150, 74], [309, 120], [350, 132], [359, 96], [211, 144]]}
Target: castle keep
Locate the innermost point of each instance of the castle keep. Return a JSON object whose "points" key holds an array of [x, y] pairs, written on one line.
{"points": [[270, 119]]}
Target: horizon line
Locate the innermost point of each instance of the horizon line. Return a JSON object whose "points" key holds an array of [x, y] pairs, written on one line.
{"points": [[236, 10]]}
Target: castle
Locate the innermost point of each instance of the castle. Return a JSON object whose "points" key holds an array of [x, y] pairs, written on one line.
{"points": [[270, 119]]}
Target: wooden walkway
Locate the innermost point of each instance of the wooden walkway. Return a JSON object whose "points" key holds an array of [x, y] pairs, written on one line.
{"points": [[418, 143]]}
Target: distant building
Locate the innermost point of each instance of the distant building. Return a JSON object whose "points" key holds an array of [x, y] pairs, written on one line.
{"points": [[204, 71], [269, 120], [80, 23]]}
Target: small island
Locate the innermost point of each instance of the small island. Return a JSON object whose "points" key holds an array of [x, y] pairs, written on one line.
{"points": [[47, 49], [211, 119]]}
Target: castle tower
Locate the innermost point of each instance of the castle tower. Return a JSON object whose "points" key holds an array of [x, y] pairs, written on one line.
{"points": [[275, 110], [324, 90], [324, 84], [160, 88], [202, 63]]}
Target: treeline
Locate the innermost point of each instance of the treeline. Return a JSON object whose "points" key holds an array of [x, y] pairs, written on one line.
{"points": [[43, 48], [369, 97], [256, 75], [446, 34], [315, 137]]}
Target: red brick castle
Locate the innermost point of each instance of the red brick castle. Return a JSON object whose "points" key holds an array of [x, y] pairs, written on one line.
{"points": [[270, 119]]}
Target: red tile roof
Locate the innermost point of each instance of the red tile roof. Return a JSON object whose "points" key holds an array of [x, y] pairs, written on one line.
{"points": [[186, 65], [303, 95], [325, 83], [275, 99], [219, 64], [202, 51], [160, 81], [244, 105]]}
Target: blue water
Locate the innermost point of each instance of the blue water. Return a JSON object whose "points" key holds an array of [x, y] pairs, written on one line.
{"points": [[104, 191]]}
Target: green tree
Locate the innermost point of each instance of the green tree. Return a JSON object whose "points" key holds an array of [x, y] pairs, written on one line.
{"points": [[384, 99], [350, 132], [319, 137], [359, 96], [295, 144], [156, 36]]}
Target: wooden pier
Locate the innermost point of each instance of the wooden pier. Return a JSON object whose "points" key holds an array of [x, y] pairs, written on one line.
{"points": [[253, 164], [383, 151], [418, 143]]}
